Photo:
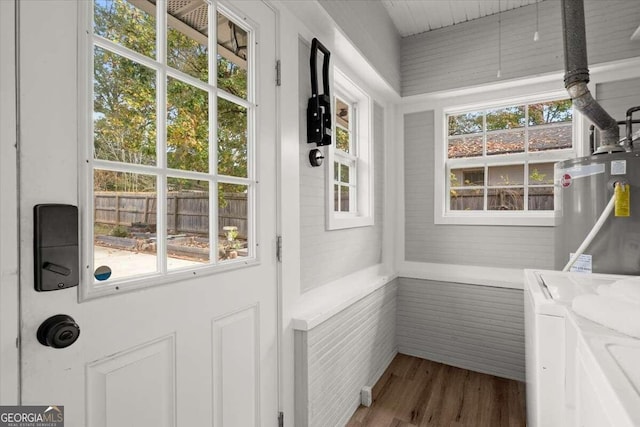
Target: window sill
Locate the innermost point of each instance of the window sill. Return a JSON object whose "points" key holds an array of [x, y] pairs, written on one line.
{"points": [[343, 222], [317, 305], [519, 219]]}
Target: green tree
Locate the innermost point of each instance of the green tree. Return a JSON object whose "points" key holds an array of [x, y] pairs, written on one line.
{"points": [[125, 99]]}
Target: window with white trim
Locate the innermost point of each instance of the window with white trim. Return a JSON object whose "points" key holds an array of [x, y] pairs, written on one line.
{"points": [[173, 133], [499, 161], [350, 157]]}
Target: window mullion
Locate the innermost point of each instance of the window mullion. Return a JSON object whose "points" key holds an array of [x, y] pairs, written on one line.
{"points": [[485, 201], [525, 202], [214, 225], [161, 151]]}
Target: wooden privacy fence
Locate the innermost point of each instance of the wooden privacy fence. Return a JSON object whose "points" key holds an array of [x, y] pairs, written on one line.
{"points": [[501, 201], [187, 212]]}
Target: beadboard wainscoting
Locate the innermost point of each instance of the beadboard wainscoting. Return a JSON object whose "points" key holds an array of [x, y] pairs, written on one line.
{"points": [[480, 328], [336, 358]]}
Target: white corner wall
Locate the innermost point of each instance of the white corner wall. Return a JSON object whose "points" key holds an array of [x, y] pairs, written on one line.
{"points": [[335, 359], [480, 328]]}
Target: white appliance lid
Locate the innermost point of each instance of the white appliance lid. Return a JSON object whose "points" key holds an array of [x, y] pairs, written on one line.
{"points": [[563, 288]]}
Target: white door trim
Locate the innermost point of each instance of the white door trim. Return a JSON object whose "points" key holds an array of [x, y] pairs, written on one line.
{"points": [[9, 303]]}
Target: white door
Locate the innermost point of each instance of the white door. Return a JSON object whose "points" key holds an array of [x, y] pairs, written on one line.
{"points": [[164, 138]]}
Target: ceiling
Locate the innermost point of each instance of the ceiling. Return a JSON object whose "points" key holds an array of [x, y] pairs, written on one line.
{"points": [[417, 16]]}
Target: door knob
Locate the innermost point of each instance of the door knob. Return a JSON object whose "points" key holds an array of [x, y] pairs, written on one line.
{"points": [[58, 331]]}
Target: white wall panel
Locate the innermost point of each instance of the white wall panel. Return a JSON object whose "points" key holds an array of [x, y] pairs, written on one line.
{"points": [[329, 255], [493, 246], [480, 328], [337, 358], [369, 27]]}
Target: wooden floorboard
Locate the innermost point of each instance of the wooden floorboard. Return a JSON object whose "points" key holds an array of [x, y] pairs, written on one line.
{"points": [[414, 392]]}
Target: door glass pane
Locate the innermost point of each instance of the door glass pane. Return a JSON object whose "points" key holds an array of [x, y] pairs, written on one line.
{"points": [[187, 51], [187, 222], [123, 22], [124, 109], [124, 223], [232, 57], [232, 139], [336, 198], [187, 127], [233, 224]]}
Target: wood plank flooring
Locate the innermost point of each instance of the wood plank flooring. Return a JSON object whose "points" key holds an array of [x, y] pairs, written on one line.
{"points": [[415, 392]]}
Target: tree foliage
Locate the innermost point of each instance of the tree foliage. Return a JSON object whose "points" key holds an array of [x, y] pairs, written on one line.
{"points": [[125, 102], [511, 117]]}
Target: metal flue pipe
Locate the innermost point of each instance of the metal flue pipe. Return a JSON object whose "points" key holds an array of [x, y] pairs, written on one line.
{"points": [[577, 76]]}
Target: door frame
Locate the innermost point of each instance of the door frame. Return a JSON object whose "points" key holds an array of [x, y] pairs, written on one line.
{"points": [[9, 210]]}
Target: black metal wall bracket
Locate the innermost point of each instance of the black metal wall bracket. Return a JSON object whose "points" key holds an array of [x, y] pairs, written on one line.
{"points": [[319, 107]]}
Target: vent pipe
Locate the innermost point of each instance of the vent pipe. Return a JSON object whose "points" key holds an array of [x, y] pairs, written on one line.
{"points": [[577, 76]]}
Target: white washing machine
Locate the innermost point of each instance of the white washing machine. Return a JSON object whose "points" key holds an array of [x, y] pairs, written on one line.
{"points": [[548, 296]]}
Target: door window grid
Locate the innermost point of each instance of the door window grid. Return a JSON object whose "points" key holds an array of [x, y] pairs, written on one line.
{"points": [[215, 184]]}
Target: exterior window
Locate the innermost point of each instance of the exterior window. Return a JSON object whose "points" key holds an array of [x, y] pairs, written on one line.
{"points": [[345, 158], [502, 158], [172, 137], [350, 165]]}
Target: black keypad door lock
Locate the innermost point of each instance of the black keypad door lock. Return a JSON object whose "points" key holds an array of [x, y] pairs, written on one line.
{"points": [[56, 259], [58, 331]]}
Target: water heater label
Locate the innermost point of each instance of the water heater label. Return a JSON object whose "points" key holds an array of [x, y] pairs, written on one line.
{"points": [[622, 200], [582, 264], [619, 167]]}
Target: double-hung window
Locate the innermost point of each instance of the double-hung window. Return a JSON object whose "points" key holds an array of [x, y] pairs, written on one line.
{"points": [[350, 157], [345, 160], [499, 161]]}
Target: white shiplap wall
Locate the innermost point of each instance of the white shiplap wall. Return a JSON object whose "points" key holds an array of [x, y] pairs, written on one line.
{"points": [[369, 27], [480, 328], [329, 255], [488, 246], [467, 54], [337, 358]]}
